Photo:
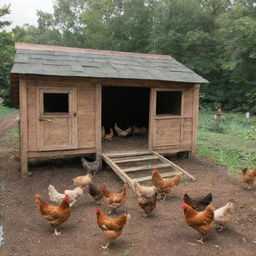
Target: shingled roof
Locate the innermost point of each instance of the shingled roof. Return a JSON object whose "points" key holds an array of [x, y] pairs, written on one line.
{"points": [[47, 60]]}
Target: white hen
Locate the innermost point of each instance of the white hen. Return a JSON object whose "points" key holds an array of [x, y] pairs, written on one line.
{"points": [[57, 197], [143, 190], [223, 215]]}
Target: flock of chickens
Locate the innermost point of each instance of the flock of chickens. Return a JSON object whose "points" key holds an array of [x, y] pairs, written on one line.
{"points": [[131, 130], [198, 212]]}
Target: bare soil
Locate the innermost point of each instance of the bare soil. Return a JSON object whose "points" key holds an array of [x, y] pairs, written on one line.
{"points": [[165, 233]]}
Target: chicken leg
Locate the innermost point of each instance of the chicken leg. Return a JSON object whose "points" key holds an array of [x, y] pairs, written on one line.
{"points": [[200, 240], [56, 232], [104, 247], [162, 199]]}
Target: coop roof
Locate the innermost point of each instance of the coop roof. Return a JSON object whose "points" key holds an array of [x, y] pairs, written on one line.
{"points": [[48, 60]]}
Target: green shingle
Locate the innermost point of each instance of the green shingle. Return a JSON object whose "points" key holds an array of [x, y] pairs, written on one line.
{"points": [[102, 66]]}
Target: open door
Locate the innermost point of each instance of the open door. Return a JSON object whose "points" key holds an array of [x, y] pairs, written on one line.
{"points": [[166, 118], [57, 118]]}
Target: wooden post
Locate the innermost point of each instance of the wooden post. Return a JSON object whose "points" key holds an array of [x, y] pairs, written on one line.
{"points": [[98, 90], [195, 119], [23, 128], [151, 123]]}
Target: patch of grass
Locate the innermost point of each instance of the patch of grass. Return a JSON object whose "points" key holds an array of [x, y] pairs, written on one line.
{"points": [[233, 146], [6, 111], [11, 136]]}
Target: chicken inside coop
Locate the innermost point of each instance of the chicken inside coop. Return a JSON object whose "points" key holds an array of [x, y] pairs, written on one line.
{"points": [[125, 117]]}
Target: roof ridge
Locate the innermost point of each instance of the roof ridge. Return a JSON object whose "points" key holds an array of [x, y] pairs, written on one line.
{"points": [[41, 47]]}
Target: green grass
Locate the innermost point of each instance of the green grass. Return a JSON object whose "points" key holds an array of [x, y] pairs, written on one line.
{"points": [[11, 136], [231, 142], [6, 111]]}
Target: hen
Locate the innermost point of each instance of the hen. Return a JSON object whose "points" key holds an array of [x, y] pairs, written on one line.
{"points": [[91, 167], [249, 177], [112, 227], [57, 197], [109, 136], [83, 181], [198, 203], [148, 204], [164, 186], [200, 221], [223, 215], [122, 133], [55, 215], [114, 200], [95, 192], [143, 190]]}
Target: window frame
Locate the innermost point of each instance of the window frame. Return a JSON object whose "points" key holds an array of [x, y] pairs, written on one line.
{"points": [[168, 116]]}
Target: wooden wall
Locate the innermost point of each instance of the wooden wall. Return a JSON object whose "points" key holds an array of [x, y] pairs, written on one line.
{"points": [[182, 129], [85, 113]]}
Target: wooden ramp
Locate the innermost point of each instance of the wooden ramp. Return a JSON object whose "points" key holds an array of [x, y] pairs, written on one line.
{"points": [[137, 166]]}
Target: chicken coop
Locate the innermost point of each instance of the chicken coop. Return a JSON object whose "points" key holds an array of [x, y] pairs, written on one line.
{"points": [[80, 101]]}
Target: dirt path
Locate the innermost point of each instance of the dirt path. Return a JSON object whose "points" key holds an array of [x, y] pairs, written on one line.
{"points": [[164, 234], [7, 123]]}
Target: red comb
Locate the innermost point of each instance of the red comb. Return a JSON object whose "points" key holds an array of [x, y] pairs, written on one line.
{"points": [[183, 206], [96, 209], [155, 171]]}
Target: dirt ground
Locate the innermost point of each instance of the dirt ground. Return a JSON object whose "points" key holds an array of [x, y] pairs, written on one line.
{"points": [[165, 233]]}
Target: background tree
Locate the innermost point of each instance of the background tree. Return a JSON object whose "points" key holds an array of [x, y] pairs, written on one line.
{"points": [[215, 38], [6, 56]]}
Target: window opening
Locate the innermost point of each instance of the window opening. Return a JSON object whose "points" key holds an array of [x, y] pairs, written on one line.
{"points": [[168, 103], [56, 103]]}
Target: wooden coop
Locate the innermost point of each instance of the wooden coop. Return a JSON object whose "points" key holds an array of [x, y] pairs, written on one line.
{"points": [[67, 95]]}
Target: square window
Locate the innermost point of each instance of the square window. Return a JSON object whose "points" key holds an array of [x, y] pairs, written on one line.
{"points": [[168, 103], [55, 102]]}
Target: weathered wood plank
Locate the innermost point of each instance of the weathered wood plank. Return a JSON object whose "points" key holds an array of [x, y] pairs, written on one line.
{"points": [[23, 128], [139, 153], [163, 175], [195, 118], [174, 165], [147, 167], [126, 160], [80, 151], [123, 176]]}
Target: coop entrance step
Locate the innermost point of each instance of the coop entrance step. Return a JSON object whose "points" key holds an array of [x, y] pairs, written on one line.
{"points": [[137, 166]]}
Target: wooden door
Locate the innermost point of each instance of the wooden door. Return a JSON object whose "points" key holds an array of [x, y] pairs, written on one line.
{"points": [[57, 118], [166, 118]]}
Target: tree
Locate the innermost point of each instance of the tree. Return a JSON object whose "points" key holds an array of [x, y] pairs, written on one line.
{"points": [[6, 56]]}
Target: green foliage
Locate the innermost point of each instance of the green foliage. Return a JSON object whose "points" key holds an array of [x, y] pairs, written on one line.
{"points": [[6, 111], [6, 58], [215, 38], [235, 148]]}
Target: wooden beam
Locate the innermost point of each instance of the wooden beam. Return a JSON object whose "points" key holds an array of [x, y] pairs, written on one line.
{"points": [[195, 118], [98, 100], [23, 128], [146, 167], [128, 160], [123, 176], [67, 152], [124, 154], [151, 123], [174, 165], [163, 175]]}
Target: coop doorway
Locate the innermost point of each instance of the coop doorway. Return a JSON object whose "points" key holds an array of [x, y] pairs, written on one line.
{"points": [[125, 119]]}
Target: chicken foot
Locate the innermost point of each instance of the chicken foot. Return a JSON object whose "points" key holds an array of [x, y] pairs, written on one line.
{"points": [[249, 187], [162, 199], [56, 232], [104, 247], [200, 240]]}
